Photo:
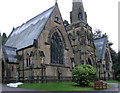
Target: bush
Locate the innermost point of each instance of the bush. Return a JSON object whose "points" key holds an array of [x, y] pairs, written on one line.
{"points": [[84, 74]]}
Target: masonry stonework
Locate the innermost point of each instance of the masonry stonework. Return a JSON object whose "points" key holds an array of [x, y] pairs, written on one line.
{"points": [[43, 49]]}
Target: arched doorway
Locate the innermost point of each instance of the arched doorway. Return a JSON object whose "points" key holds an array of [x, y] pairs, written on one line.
{"points": [[57, 49], [89, 62]]}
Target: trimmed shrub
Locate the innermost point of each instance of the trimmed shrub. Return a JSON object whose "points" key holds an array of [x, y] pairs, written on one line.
{"points": [[84, 74]]}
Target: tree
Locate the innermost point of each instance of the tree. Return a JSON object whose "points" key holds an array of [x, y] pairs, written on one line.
{"points": [[4, 37], [97, 34], [117, 65]]}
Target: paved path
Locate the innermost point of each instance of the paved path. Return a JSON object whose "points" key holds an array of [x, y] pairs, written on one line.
{"points": [[5, 88], [114, 89]]}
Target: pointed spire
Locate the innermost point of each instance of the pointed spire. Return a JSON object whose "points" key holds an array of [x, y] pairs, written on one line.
{"points": [[78, 13]]}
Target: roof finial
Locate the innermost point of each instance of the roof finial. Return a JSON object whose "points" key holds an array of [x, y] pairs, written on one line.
{"points": [[56, 1]]}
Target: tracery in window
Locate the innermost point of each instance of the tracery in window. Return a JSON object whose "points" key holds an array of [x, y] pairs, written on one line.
{"points": [[56, 49]]}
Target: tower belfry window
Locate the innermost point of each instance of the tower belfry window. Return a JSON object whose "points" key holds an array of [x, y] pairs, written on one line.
{"points": [[79, 16]]}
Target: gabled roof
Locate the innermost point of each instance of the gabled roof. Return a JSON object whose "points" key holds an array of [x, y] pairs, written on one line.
{"points": [[10, 54], [24, 35], [100, 44]]}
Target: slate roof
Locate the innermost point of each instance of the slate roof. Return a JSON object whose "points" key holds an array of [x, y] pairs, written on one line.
{"points": [[24, 35], [10, 54], [100, 44]]}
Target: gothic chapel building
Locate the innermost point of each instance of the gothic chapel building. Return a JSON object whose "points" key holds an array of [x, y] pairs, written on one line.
{"points": [[43, 49]]}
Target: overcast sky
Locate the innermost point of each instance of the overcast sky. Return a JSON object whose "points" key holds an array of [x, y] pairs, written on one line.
{"points": [[102, 14]]}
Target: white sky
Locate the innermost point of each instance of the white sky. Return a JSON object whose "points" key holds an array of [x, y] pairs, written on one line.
{"points": [[102, 14]]}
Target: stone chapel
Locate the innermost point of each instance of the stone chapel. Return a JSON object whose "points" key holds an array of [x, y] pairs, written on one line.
{"points": [[43, 49]]}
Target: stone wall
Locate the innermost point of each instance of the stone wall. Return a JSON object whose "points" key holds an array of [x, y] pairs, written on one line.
{"points": [[43, 44], [81, 37]]}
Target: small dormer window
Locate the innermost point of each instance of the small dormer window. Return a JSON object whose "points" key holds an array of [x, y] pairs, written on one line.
{"points": [[79, 16]]}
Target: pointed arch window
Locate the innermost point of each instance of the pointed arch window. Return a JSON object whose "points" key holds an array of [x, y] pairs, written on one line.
{"points": [[107, 60], [28, 60], [56, 49]]}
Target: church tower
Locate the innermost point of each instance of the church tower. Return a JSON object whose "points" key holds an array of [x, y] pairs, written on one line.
{"points": [[78, 13], [81, 36]]}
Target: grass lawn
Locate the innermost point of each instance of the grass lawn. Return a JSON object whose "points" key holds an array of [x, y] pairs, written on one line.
{"points": [[112, 81], [57, 86]]}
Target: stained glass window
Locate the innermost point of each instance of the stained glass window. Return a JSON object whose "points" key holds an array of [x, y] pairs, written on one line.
{"points": [[56, 49]]}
